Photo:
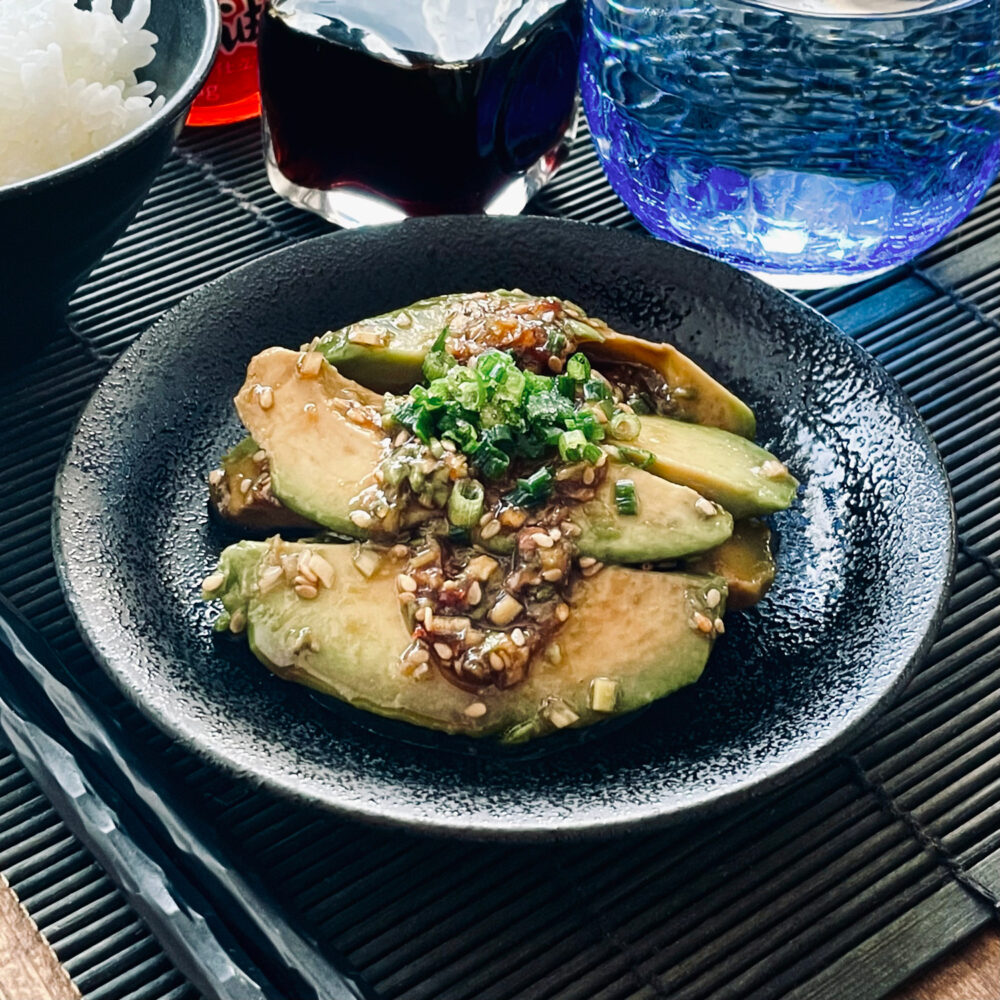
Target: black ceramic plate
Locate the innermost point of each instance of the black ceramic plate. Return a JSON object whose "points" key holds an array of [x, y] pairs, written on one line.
{"points": [[865, 553]]}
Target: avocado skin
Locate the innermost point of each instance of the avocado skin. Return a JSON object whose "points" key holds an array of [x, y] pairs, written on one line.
{"points": [[360, 633], [402, 338], [724, 467]]}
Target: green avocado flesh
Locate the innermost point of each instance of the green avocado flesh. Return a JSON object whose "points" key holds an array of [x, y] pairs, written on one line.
{"points": [[386, 352], [629, 640], [734, 472], [319, 461]]}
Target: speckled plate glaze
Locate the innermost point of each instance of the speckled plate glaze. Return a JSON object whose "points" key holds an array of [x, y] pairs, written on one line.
{"points": [[865, 554]]}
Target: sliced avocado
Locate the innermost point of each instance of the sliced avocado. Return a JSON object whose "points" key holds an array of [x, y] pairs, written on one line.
{"points": [[347, 641], [240, 492], [667, 524], [386, 352], [698, 398], [745, 561], [747, 480], [319, 460]]}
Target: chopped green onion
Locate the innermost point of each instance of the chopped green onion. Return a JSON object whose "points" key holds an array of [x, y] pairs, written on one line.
{"points": [[578, 367], [625, 426], [625, 498], [555, 342], [532, 491], [592, 454], [572, 445], [596, 388], [438, 361], [636, 456], [465, 505]]}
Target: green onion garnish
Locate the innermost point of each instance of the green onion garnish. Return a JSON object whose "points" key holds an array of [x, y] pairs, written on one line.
{"points": [[532, 491], [625, 498], [438, 361], [465, 505], [578, 367], [625, 426], [636, 456]]}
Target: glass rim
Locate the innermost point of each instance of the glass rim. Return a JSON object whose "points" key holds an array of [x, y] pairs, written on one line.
{"points": [[790, 7]]}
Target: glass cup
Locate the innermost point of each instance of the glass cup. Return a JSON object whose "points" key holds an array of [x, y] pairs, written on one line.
{"points": [[812, 142], [379, 110]]}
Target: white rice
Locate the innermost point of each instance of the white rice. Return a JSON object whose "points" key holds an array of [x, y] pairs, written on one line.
{"points": [[67, 81]]}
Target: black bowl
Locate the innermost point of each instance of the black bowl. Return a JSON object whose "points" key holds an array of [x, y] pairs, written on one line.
{"points": [[864, 562], [58, 225]]}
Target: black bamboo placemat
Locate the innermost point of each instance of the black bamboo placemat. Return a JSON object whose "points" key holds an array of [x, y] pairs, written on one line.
{"points": [[836, 889]]}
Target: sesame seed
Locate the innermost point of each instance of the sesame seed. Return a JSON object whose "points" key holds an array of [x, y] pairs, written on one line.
{"points": [[406, 582], [306, 591], [215, 477], [400, 551], [593, 570], [265, 396], [259, 456], [702, 622], [238, 621], [555, 534], [476, 710], [720, 626], [485, 519], [586, 561], [360, 518], [705, 507], [712, 598], [562, 612], [588, 477], [551, 575], [475, 593], [555, 364], [213, 582], [517, 637], [490, 529], [269, 579], [245, 485], [600, 414], [496, 661], [305, 568], [554, 653], [600, 462], [443, 650], [401, 439], [543, 540], [405, 598], [418, 655]]}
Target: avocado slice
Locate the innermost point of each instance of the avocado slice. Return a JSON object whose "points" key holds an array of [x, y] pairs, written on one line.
{"points": [[319, 460], [388, 351], [347, 641], [745, 561], [747, 480]]}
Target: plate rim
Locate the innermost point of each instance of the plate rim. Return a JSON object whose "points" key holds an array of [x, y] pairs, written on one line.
{"points": [[644, 818]]}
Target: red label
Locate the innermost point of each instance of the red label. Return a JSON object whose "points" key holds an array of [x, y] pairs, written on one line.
{"points": [[240, 23]]}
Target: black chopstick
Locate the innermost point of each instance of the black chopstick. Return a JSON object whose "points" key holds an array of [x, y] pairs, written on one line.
{"points": [[219, 925]]}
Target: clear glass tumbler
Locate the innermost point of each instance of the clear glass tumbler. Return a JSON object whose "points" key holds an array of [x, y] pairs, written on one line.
{"points": [[378, 110], [812, 142]]}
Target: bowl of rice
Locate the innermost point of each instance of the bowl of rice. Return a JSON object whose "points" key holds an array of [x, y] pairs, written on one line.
{"points": [[92, 95]]}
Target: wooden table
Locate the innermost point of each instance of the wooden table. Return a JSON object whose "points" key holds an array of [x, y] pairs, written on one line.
{"points": [[29, 969]]}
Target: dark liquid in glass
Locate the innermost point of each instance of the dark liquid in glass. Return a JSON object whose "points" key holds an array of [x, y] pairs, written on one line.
{"points": [[429, 137]]}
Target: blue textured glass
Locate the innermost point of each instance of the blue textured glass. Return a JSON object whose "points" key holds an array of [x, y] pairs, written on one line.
{"points": [[812, 147]]}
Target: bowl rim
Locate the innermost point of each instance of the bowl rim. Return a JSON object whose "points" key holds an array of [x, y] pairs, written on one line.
{"points": [[191, 86]]}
